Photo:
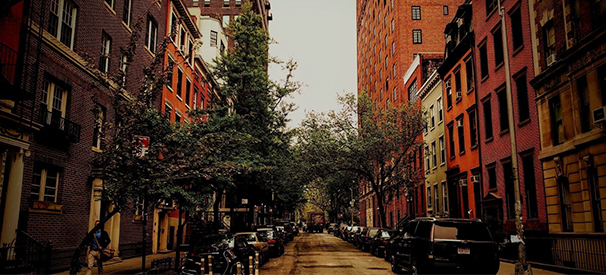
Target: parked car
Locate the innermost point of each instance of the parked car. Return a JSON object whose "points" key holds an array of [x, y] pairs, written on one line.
{"points": [[332, 228], [259, 243], [449, 245], [367, 236], [345, 233], [357, 236], [275, 242], [388, 245], [379, 242], [351, 233], [226, 251], [288, 236]]}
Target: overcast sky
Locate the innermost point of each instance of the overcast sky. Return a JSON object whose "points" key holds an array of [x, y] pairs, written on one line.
{"points": [[321, 36]]}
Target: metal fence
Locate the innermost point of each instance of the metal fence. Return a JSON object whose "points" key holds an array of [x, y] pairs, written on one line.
{"points": [[25, 255], [579, 251]]}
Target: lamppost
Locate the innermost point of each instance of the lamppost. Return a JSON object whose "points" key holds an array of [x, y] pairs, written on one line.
{"points": [[352, 203], [522, 266]]}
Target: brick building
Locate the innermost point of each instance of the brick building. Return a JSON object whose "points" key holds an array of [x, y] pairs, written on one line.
{"points": [[497, 183], [570, 91], [460, 117], [389, 34], [69, 49]]}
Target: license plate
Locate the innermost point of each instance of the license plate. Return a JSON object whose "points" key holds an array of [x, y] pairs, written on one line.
{"points": [[463, 250]]}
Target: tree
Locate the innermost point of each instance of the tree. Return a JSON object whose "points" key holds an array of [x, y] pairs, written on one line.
{"points": [[380, 147]]}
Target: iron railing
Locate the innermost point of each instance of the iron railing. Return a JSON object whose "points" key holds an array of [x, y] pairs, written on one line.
{"points": [[54, 121], [585, 252], [25, 255]]}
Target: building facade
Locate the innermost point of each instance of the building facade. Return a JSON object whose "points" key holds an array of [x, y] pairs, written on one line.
{"points": [[498, 197], [463, 164]]}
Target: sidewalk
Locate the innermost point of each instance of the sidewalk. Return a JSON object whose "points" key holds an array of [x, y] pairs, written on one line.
{"points": [[127, 266], [508, 268]]}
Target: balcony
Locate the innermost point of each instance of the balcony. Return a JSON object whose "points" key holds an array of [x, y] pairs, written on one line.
{"points": [[57, 129]]}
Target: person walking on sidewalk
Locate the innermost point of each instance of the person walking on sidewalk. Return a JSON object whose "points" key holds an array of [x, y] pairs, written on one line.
{"points": [[99, 241]]}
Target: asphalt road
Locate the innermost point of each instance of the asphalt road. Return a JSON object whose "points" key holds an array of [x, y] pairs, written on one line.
{"points": [[321, 253]]}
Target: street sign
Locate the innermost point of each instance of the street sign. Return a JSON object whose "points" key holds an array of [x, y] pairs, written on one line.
{"points": [[244, 201], [141, 146]]}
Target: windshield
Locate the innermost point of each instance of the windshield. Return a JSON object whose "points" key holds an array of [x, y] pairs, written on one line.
{"points": [[250, 237], [216, 240], [384, 234], [461, 231], [372, 232], [269, 234]]}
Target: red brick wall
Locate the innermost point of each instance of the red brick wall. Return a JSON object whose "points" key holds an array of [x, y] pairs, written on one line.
{"points": [[74, 192], [527, 132]]}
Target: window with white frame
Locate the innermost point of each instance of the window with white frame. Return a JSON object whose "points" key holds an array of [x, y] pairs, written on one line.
{"points": [[429, 200], [104, 58], [444, 196], [440, 110], [45, 183], [434, 158], [62, 21], [55, 103], [213, 38], [442, 150], [437, 198], [123, 67], [151, 34], [127, 12], [187, 92], [432, 120], [417, 37], [225, 21], [416, 13], [110, 3]]}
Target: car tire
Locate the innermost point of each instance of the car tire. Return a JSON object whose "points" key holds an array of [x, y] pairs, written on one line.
{"points": [[414, 266], [394, 267]]}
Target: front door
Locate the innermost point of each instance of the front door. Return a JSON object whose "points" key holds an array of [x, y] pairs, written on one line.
{"points": [[454, 206], [171, 238]]}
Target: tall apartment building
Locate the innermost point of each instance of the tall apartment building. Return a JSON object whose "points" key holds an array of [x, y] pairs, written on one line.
{"points": [[389, 35], [227, 10], [495, 137]]}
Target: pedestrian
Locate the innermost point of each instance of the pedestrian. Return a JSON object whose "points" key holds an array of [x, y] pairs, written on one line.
{"points": [[97, 242]]}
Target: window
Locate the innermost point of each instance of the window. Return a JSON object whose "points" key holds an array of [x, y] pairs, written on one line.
{"points": [[445, 196], [427, 160], [225, 3], [565, 204], [509, 192], [416, 13], [55, 103], [207, 3], [412, 90], [492, 177], [127, 12], [429, 199], [238, 3], [516, 29], [196, 93], [584, 109], [530, 186], [523, 111], [448, 88], [555, 115], [490, 6], [110, 3], [174, 27], [497, 38], [178, 117], [442, 150], [62, 21], [602, 83], [503, 111], [549, 42], [213, 38], [483, 61], [395, 95], [451, 142], [45, 183], [182, 39], [487, 118], [106, 43], [225, 21], [437, 198], [139, 209], [440, 110], [432, 119], [169, 78], [222, 47], [123, 67], [187, 92], [461, 131], [98, 126], [445, 10], [434, 154], [469, 74], [167, 110], [416, 37], [457, 83], [179, 83], [473, 128], [151, 34]]}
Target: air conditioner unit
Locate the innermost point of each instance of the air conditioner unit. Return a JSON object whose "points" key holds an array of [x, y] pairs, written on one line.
{"points": [[598, 115], [460, 123], [447, 85], [458, 95], [551, 59], [463, 182], [182, 48], [475, 179]]}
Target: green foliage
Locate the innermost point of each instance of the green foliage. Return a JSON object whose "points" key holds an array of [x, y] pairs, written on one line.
{"points": [[378, 145]]}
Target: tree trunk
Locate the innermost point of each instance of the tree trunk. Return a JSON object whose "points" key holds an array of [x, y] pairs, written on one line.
{"points": [[381, 203], [179, 239], [75, 263], [216, 221]]}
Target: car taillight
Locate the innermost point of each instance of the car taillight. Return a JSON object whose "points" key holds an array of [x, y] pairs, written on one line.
{"points": [[191, 254], [383, 241], [271, 241]]}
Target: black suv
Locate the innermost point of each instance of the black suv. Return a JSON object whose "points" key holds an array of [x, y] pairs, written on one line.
{"points": [[447, 245]]}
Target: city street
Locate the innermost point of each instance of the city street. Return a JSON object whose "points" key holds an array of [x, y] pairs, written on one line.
{"points": [[327, 254]]}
